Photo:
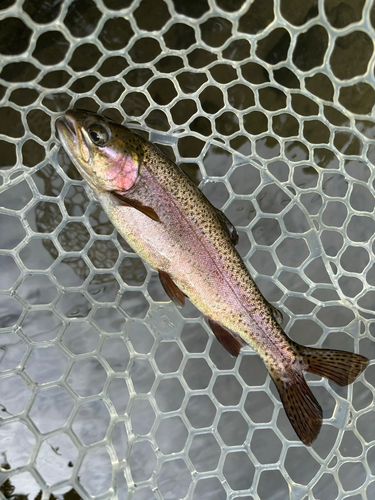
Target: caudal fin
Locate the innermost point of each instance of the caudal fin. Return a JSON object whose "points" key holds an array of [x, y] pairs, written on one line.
{"points": [[341, 367], [301, 407]]}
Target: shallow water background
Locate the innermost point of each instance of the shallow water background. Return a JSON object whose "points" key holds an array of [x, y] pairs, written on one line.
{"points": [[107, 390]]}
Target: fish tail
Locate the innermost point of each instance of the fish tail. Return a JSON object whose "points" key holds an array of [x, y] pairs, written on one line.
{"points": [[302, 409], [341, 367]]}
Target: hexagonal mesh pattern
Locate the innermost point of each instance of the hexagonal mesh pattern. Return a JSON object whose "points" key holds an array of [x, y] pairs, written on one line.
{"points": [[106, 389]]}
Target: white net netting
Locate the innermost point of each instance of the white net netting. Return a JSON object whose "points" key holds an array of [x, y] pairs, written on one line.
{"points": [[107, 390]]}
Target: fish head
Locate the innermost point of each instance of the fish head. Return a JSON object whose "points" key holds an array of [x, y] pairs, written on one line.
{"points": [[107, 154]]}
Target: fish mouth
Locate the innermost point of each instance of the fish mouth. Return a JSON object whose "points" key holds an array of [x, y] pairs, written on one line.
{"points": [[74, 141], [70, 125], [67, 132], [66, 121]]}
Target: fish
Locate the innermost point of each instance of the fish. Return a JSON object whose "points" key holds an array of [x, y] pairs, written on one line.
{"points": [[172, 226]]}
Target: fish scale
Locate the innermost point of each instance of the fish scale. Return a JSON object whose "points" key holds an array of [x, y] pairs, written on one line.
{"points": [[202, 217], [171, 225]]}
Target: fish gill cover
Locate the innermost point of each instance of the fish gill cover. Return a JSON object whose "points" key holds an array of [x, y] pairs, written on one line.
{"points": [[107, 389]]}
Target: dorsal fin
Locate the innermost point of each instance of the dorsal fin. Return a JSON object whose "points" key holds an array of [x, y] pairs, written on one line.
{"points": [[231, 341], [172, 290], [228, 226], [150, 212], [277, 314]]}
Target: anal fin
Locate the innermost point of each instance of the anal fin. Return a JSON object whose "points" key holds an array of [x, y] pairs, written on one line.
{"points": [[171, 289], [231, 341], [150, 212]]}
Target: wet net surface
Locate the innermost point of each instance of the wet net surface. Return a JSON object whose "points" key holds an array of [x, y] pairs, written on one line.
{"points": [[107, 390]]}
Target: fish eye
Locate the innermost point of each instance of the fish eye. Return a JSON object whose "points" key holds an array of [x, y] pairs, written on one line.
{"points": [[99, 134]]}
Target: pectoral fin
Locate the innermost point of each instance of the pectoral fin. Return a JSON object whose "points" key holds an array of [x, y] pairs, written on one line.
{"points": [[150, 212], [172, 290], [228, 226], [231, 341]]}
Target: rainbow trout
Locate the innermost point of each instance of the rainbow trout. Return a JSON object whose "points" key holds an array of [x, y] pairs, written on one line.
{"points": [[170, 223]]}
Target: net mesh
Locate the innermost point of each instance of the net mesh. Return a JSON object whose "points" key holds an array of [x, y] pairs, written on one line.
{"points": [[107, 390]]}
